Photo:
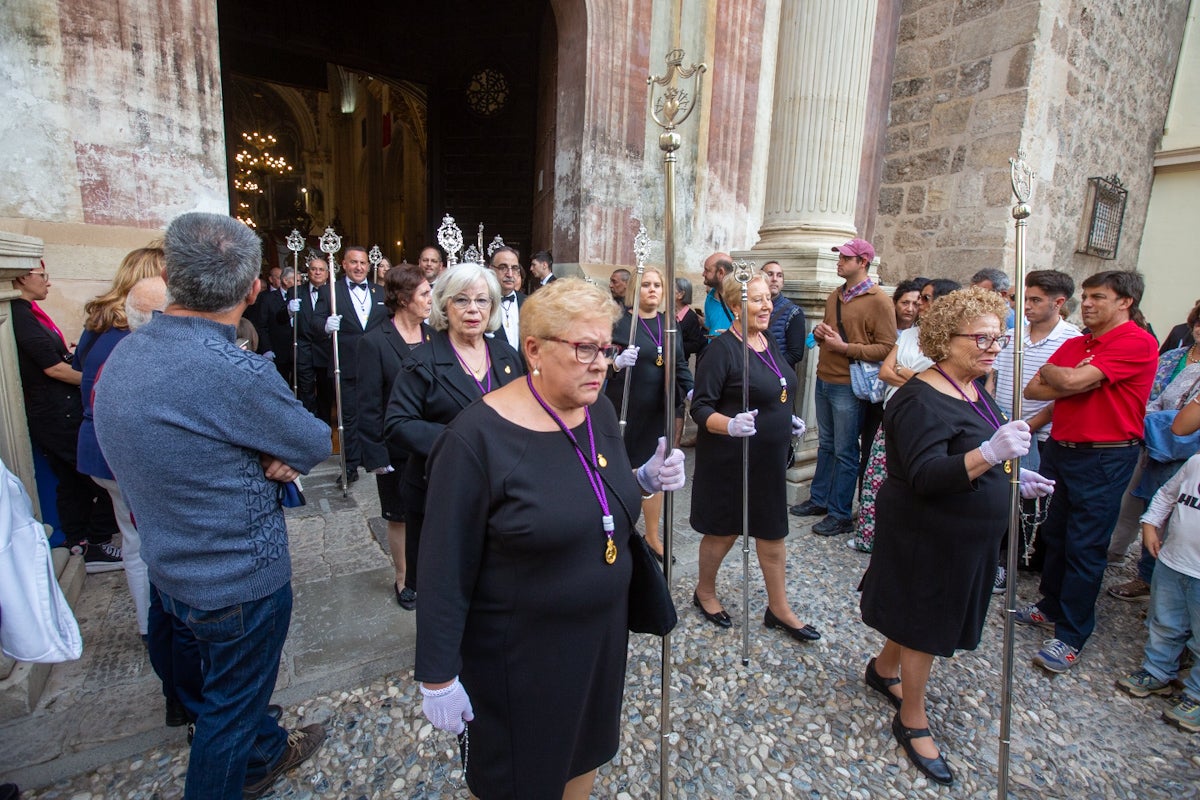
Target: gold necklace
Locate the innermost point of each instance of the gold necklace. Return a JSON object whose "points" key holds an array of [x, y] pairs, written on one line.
{"points": [[1192, 358]]}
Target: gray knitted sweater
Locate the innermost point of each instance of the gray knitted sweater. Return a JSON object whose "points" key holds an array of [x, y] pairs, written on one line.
{"points": [[182, 415]]}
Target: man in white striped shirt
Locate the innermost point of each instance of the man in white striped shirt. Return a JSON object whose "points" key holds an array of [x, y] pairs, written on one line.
{"points": [[1046, 290]]}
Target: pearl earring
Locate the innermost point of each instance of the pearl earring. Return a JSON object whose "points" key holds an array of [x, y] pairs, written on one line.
{"points": [[536, 371]]}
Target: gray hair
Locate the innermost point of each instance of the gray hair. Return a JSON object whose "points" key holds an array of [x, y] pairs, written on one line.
{"points": [[1000, 280], [286, 273], [454, 281], [212, 261], [147, 296]]}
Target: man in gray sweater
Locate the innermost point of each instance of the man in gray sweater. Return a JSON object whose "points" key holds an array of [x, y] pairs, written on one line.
{"points": [[177, 414]]}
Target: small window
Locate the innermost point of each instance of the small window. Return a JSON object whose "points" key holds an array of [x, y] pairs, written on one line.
{"points": [[1103, 215]]}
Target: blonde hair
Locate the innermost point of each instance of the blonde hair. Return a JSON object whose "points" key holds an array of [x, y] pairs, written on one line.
{"points": [[552, 309], [731, 290], [108, 310], [946, 314], [633, 292]]}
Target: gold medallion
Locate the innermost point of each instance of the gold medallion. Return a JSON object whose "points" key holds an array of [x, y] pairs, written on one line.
{"points": [[601, 460], [610, 553], [1008, 467], [783, 396], [658, 362]]}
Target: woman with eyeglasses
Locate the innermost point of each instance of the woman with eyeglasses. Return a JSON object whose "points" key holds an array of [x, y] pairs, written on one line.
{"points": [[942, 511], [457, 366], [721, 425], [642, 363], [522, 623]]}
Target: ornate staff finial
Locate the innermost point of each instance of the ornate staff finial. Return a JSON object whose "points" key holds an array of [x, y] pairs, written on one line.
{"points": [[743, 271], [641, 246], [295, 242], [450, 237], [496, 244], [374, 255], [674, 104], [1022, 184], [330, 242], [472, 255]]}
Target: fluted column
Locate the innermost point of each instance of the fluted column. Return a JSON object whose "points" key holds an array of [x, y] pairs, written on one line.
{"points": [[18, 255]]}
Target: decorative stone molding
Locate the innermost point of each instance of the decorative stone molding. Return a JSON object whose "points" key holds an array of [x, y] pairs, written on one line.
{"points": [[18, 255]]}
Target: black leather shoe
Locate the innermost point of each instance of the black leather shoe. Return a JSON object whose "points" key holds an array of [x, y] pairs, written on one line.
{"points": [[406, 597], [833, 526], [936, 769], [808, 509], [176, 716], [275, 712], [881, 684], [720, 619], [806, 634]]}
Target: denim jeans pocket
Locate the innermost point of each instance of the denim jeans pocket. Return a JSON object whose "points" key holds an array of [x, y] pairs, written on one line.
{"points": [[219, 625]]}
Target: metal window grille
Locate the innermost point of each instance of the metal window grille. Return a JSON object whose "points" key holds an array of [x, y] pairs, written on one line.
{"points": [[1105, 214]]}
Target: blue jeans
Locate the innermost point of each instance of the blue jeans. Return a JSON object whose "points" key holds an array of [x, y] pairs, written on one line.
{"points": [[175, 656], [839, 419], [1173, 622], [1076, 533], [235, 742]]}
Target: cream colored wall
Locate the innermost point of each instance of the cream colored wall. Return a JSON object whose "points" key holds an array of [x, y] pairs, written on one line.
{"points": [[1168, 256]]}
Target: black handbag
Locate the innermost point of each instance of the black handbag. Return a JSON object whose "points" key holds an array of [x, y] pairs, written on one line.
{"points": [[651, 609]]}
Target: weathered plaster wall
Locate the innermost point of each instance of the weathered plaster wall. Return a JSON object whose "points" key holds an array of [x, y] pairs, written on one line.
{"points": [[1082, 87]]}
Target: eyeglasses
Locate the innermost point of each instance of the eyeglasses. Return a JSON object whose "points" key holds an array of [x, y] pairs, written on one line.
{"points": [[41, 274], [985, 340], [482, 303], [586, 352], [506, 269], [925, 298]]}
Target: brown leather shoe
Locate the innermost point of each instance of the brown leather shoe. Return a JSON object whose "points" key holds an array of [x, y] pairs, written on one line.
{"points": [[1136, 589], [301, 744]]}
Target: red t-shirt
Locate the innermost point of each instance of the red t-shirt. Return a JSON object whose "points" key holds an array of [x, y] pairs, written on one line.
{"points": [[1114, 411]]}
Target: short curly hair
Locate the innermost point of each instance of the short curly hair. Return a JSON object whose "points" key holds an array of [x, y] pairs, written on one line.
{"points": [[947, 314], [553, 309]]}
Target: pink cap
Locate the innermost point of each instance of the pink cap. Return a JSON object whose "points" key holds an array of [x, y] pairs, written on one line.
{"points": [[857, 247]]}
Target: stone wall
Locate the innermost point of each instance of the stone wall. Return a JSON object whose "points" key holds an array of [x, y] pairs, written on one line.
{"points": [[1084, 90]]}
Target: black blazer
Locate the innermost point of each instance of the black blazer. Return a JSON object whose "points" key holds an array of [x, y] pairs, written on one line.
{"points": [[381, 354], [351, 331], [499, 334], [429, 392], [274, 326]]}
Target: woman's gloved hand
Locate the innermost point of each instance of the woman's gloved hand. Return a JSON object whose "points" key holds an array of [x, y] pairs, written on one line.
{"points": [[447, 708], [1011, 440], [742, 425], [664, 471]]}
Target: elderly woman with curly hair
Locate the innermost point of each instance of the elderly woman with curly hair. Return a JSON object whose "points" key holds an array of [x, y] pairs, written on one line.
{"points": [[942, 511]]}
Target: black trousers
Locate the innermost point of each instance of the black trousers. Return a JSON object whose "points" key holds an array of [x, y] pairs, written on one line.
{"points": [[85, 510]]}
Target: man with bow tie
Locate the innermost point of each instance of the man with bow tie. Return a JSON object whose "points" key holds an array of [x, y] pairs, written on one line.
{"points": [[506, 263], [314, 376], [360, 308]]}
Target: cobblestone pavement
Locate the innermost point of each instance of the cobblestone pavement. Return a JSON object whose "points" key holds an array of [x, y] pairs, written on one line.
{"points": [[797, 722]]}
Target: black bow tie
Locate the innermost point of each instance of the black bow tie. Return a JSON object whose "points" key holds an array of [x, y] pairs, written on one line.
{"points": [[362, 285], [508, 298]]}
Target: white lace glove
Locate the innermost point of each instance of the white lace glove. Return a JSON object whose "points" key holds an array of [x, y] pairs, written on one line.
{"points": [[383, 470], [294, 306], [626, 358], [662, 472], [798, 426], [333, 323], [1034, 485], [1011, 440], [447, 708], [742, 425]]}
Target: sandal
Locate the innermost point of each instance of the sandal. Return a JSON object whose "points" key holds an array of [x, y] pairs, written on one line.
{"points": [[881, 684]]}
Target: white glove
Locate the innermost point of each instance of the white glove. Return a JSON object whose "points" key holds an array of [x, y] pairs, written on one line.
{"points": [[294, 306], [269, 355], [742, 425], [798, 426], [689, 395], [447, 708], [662, 471], [1034, 485], [333, 323], [1011, 440], [626, 358], [383, 470]]}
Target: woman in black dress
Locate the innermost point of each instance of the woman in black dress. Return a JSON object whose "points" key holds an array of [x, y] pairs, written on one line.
{"points": [[941, 512], [381, 351], [522, 624], [717, 484], [454, 369], [644, 359]]}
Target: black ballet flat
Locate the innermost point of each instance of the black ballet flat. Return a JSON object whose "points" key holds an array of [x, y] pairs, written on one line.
{"points": [[881, 684], [659, 556], [806, 634], [720, 619], [936, 769]]}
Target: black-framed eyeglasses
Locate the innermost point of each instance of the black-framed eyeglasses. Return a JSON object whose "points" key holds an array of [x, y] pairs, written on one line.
{"points": [[586, 352], [985, 340], [482, 303]]}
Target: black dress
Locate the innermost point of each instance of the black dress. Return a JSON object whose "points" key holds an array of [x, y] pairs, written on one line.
{"points": [[645, 421], [937, 533], [717, 483], [518, 601]]}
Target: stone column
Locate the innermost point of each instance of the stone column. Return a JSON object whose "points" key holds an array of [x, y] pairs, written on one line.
{"points": [[18, 255], [821, 91]]}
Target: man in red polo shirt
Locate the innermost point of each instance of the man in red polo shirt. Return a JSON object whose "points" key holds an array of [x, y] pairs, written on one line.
{"points": [[1099, 384]]}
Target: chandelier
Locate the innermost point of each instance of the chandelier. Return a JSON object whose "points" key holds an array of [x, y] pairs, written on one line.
{"points": [[256, 164]]}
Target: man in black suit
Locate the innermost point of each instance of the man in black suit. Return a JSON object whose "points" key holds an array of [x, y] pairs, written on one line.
{"points": [[541, 268], [506, 263], [360, 308], [270, 316], [312, 359]]}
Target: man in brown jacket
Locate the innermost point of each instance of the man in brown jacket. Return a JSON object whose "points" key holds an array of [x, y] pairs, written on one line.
{"points": [[865, 330]]}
